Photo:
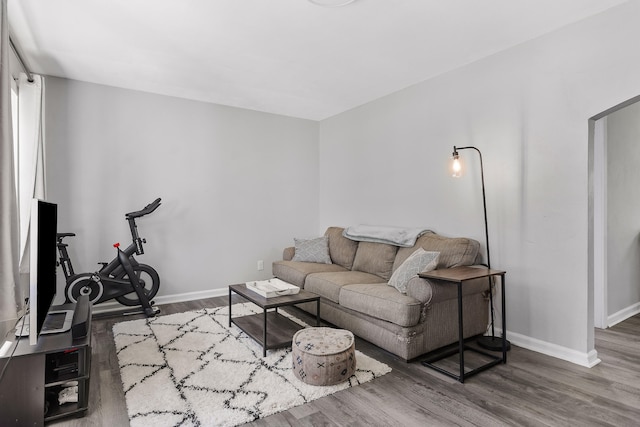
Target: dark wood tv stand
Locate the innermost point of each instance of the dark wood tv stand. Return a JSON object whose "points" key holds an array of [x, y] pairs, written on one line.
{"points": [[37, 371]]}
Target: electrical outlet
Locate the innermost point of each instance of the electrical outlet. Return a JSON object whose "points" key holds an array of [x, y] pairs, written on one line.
{"points": [[260, 265]]}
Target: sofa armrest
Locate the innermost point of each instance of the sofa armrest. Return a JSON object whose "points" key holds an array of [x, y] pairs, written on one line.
{"points": [[433, 291], [288, 253]]}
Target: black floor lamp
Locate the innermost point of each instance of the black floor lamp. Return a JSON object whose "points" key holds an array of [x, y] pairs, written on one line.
{"points": [[489, 342]]}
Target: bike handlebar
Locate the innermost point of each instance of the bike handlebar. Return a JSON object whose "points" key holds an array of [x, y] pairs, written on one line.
{"points": [[145, 211]]}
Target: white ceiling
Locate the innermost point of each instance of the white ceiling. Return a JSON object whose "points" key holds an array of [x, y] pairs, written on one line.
{"points": [[286, 57]]}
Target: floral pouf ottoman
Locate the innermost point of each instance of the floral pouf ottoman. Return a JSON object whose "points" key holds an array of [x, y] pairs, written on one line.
{"points": [[323, 356]]}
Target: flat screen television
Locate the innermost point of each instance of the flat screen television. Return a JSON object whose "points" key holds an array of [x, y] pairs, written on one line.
{"points": [[42, 275]]}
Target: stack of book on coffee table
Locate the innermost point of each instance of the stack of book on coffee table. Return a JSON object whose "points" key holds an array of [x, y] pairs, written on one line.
{"points": [[272, 288]]}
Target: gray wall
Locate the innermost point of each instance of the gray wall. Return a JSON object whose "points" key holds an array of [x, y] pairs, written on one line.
{"points": [[527, 109], [623, 209], [236, 185]]}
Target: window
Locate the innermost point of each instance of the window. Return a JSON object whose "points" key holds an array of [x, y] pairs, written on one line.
{"points": [[14, 117]]}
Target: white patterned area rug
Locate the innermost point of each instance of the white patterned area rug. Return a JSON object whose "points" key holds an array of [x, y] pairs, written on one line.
{"points": [[191, 369]]}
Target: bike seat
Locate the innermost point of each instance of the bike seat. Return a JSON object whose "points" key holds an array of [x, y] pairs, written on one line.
{"points": [[63, 235], [145, 211]]}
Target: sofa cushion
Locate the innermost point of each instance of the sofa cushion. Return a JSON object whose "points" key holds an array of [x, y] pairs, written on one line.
{"points": [[312, 250], [454, 252], [419, 261], [295, 272], [341, 249], [328, 285], [382, 302], [375, 258]]}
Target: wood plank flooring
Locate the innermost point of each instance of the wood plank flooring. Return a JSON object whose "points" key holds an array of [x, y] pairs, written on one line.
{"points": [[530, 390]]}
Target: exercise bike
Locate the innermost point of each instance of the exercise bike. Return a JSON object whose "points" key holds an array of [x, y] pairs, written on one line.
{"points": [[123, 279]]}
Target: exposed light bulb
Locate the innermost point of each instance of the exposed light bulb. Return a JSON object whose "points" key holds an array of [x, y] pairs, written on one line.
{"points": [[456, 167]]}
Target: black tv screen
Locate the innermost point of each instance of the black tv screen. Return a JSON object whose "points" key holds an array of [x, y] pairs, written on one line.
{"points": [[42, 275]]}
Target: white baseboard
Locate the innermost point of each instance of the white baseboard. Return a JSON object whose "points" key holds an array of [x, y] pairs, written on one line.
{"points": [[588, 360], [114, 306], [623, 315]]}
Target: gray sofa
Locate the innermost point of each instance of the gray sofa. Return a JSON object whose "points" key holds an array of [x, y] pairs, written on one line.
{"points": [[355, 294]]}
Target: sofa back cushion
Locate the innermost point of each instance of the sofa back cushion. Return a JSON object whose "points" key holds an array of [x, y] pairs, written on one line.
{"points": [[375, 258], [454, 251], [341, 249]]}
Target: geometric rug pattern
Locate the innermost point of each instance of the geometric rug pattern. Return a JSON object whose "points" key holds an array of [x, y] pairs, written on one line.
{"points": [[192, 369]]}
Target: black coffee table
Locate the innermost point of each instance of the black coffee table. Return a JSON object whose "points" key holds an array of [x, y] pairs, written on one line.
{"points": [[270, 328]]}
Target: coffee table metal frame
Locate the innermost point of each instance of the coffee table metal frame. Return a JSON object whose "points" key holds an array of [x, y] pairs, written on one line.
{"points": [[270, 328]]}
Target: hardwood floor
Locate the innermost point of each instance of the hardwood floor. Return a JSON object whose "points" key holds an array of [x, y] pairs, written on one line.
{"points": [[530, 390]]}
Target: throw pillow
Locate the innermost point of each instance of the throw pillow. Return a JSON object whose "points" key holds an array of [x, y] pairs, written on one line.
{"points": [[313, 250], [375, 258], [417, 262]]}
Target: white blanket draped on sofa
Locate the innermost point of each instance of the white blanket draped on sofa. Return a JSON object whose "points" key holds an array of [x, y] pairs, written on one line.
{"points": [[399, 236]]}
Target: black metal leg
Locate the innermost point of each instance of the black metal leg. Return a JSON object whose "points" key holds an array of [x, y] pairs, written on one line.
{"points": [[504, 321], [264, 334], [460, 333], [229, 307], [318, 312]]}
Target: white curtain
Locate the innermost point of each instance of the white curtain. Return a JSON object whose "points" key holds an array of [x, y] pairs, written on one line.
{"points": [[31, 172], [9, 240]]}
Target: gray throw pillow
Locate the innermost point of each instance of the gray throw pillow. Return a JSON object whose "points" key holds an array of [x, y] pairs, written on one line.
{"points": [[313, 250], [418, 262]]}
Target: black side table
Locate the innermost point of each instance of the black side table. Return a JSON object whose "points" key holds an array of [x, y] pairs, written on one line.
{"points": [[459, 275]]}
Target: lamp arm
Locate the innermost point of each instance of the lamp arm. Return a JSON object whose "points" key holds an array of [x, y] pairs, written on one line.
{"points": [[484, 198]]}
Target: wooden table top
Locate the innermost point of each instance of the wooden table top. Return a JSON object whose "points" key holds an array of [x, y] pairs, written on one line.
{"points": [[263, 302], [460, 274]]}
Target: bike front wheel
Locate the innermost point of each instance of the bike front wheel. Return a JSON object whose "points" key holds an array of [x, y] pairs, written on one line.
{"points": [[82, 284], [148, 279]]}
